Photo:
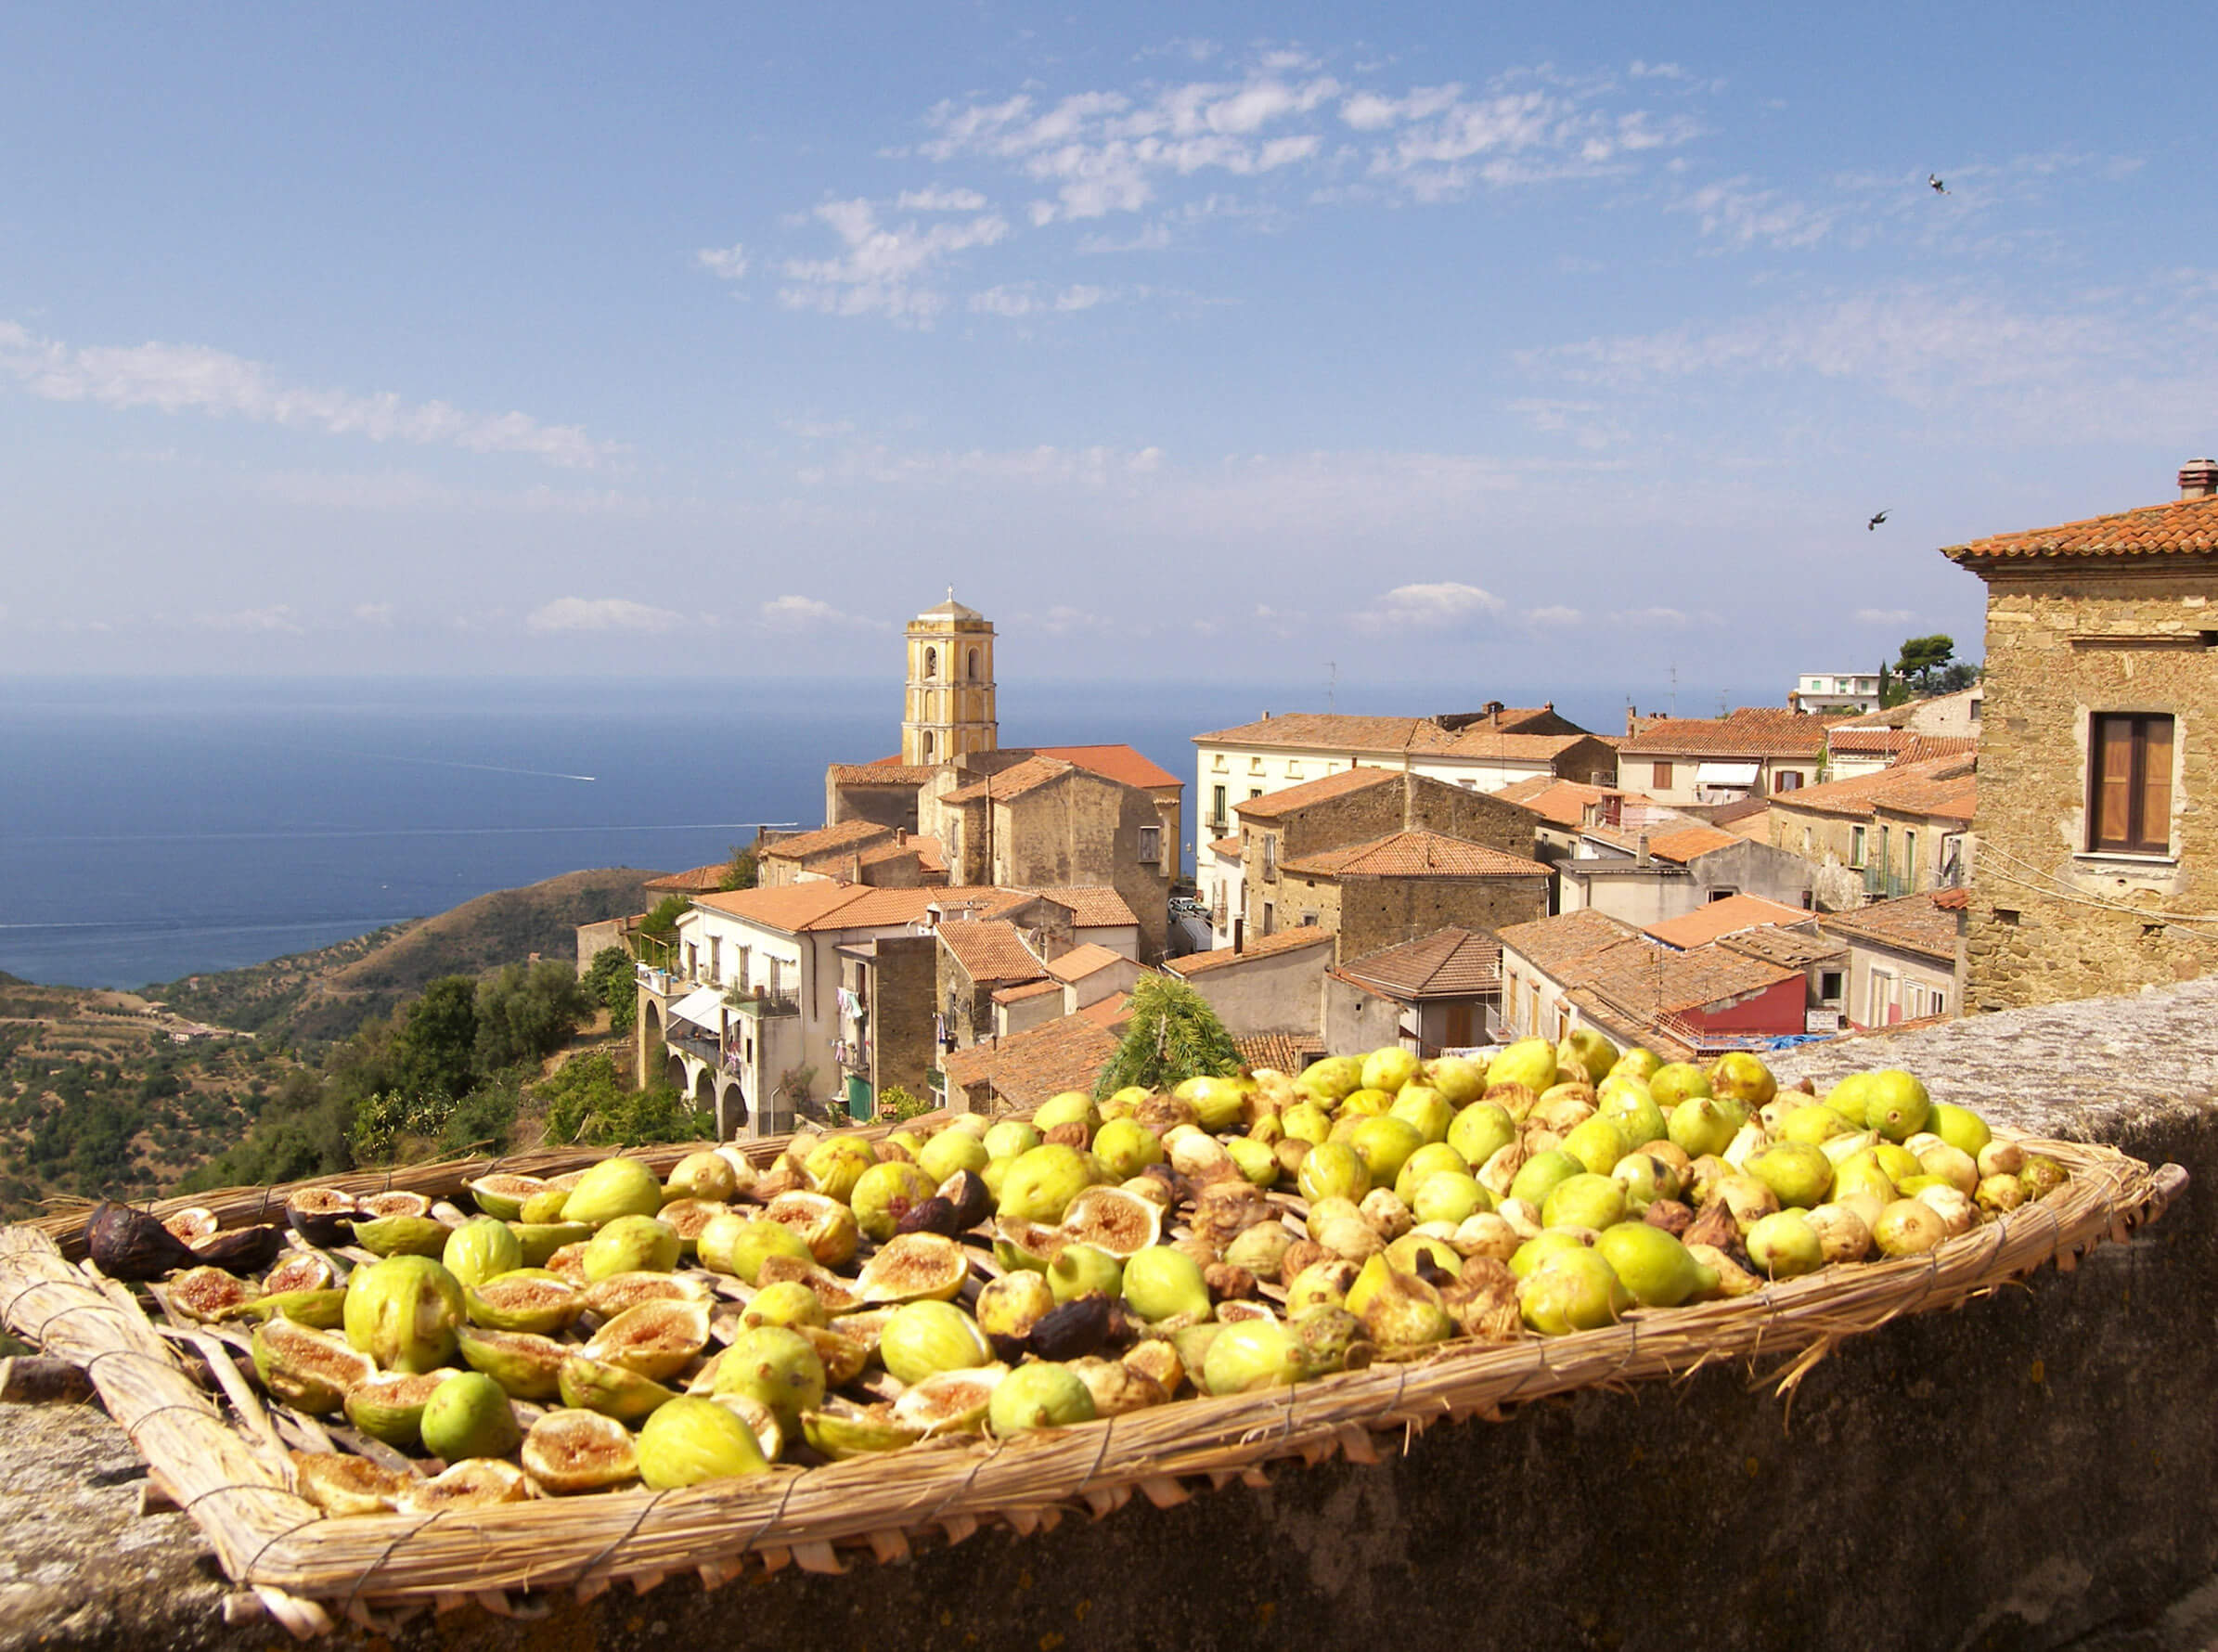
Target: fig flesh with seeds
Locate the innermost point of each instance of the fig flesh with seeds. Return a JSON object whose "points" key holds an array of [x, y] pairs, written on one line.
{"points": [[569, 1452]]}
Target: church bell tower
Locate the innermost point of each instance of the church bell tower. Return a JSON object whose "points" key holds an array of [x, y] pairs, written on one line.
{"points": [[949, 710]]}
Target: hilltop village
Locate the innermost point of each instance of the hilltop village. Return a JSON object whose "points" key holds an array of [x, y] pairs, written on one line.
{"points": [[967, 926]]}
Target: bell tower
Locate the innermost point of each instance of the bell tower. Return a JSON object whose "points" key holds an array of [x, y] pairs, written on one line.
{"points": [[949, 710]]}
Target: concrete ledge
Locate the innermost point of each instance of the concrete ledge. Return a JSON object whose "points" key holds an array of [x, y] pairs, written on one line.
{"points": [[2033, 1470]]}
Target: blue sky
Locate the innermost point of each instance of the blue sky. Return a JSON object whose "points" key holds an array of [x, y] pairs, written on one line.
{"points": [[1454, 345]]}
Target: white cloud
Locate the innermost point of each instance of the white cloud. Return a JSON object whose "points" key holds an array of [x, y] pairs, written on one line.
{"points": [[1552, 616], [807, 613], [1884, 616], [882, 267], [409, 491], [373, 614], [192, 378], [1428, 607], [727, 264], [936, 200], [1154, 239], [600, 613], [1736, 212], [277, 620], [1670, 619], [1669, 72], [1023, 299]]}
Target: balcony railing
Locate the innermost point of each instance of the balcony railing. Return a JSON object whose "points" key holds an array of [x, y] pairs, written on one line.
{"points": [[761, 1002], [1882, 885], [699, 1048]]}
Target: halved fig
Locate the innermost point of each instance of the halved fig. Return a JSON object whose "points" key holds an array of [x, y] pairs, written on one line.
{"points": [[530, 1299], [540, 1240], [1116, 1386], [856, 1431], [569, 1263], [568, 1452], [655, 1339], [193, 1225], [568, 1179], [768, 1434], [936, 1214], [837, 1295], [308, 1368], [825, 1225], [343, 1485], [620, 1292], [1020, 1244], [304, 1271], [527, 1367], [596, 1384], [396, 1203], [1232, 1313], [401, 1235], [208, 1294], [913, 1266], [973, 1200], [1109, 1218], [949, 1402], [743, 1174], [689, 1216], [321, 1215], [389, 1406], [1156, 1356], [324, 1309], [843, 1354], [503, 1194], [477, 1482]]}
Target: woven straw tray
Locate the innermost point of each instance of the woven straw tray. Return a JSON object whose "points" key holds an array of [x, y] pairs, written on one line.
{"points": [[217, 1449]]}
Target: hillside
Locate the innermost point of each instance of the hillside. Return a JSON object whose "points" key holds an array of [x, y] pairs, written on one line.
{"points": [[317, 997]]}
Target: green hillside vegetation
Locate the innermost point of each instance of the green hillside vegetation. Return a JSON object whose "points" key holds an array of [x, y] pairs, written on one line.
{"points": [[318, 998]]}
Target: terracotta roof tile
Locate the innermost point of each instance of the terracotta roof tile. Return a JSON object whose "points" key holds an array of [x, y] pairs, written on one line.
{"points": [[1555, 944], [1094, 906], [1482, 743], [1012, 781], [1559, 802], [1448, 963], [991, 951], [1747, 808], [1415, 854], [1081, 962], [1113, 1011], [2178, 527], [1706, 924], [1029, 989], [1273, 806], [1789, 949], [1919, 923], [1270, 945], [886, 771], [1282, 1052], [1225, 845], [1026, 1068], [1648, 979], [1683, 844], [845, 838], [1752, 731], [1114, 762], [1944, 785], [1324, 730], [700, 880]]}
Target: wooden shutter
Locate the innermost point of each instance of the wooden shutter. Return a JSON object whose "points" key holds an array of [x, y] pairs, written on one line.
{"points": [[2152, 829], [2113, 789]]}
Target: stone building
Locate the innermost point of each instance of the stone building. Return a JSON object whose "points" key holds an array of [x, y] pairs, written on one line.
{"points": [[1875, 836], [1399, 887], [2097, 862], [1755, 750], [1672, 867], [948, 710], [1905, 957]]}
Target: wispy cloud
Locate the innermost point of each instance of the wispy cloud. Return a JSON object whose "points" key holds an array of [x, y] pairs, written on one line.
{"points": [[1553, 617], [195, 379], [883, 269], [808, 613], [1739, 213], [602, 614], [374, 613], [1884, 616], [1025, 298], [938, 199], [727, 264], [1434, 607], [278, 619]]}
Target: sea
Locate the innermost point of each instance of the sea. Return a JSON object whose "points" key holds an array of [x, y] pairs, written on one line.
{"points": [[150, 829]]}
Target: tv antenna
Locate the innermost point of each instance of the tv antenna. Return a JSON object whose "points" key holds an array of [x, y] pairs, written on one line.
{"points": [[1332, 685], [1674, 687]]}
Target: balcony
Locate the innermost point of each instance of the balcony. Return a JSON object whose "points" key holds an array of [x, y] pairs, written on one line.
{"points": [[698, 1046], [759, 1002], [1882, 885]]}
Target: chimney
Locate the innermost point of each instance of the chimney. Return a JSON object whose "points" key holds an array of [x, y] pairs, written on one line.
{"points": [[1409, 800], [1633, 720], [900, 835], [2199, 479], [1640, 850]]}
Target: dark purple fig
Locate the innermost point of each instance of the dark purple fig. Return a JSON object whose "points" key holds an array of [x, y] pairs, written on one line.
{"points": [[973, 1200], [322, 1215], [127, 1244], [1074, 1330], [1010, 1350], [242, 1250], [936, 1214]]}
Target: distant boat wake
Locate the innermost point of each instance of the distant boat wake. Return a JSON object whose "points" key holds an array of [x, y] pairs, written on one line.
{"points": [[538, 774]]}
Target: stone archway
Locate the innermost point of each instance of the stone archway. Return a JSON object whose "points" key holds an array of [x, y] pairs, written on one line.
{"points": [[675, 1073], [731, 1106], [702, 1091]]}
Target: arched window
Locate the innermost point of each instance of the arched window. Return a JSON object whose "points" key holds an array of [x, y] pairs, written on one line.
{"points": [[927, 745], [974, 665], [930, 662]]}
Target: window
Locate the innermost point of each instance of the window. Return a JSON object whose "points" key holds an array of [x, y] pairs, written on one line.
{"points": [[1717, 895], [1661, 777], [1254, 766], [1254, 792], [1788, 779], [1975, 711], [2129, 783], [1880, 1004], [1271, 918], [972, 671], [1151, 842], [1910, 859], [716, 961], [1855, 845], [1293, 769], [1308, 919], [1217, 807], [1808, 843], [1828, 986], [1270, 857], [930, 662], [928, 745], [1218, 764], [739, 965]]}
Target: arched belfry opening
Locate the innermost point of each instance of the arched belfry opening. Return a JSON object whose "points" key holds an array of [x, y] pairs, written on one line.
{"points": [[948, 709]]}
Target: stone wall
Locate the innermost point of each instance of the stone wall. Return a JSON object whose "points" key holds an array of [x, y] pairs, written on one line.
{"points": [[2049, 922]]}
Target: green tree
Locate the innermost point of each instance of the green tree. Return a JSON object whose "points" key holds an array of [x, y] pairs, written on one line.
{"points": [[1924, 660], [526, 1014], [609, 979], [662, 922], [740, 873], [1173, 1035], [588, 1103], [435, 1048]]}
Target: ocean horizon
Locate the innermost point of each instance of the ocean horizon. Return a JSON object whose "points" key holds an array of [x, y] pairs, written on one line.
{"points": [[156, 828]]}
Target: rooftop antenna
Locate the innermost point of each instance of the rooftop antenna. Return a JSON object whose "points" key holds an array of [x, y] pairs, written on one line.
{"points": [[1674, 687], [1332, 685]]}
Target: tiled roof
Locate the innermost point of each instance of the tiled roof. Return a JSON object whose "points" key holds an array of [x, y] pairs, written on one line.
{"points": [[1649, 980], [1706, 924], [885, 772], [1559, 802], [1946, 785], [1868, 742], [1752, 731], [1026, 1068], [1555, 944], [1286, 940], [792, 908], [1675, 843], [925, 851], [1094, 906], [1012, 781], [878, 909], [1645, 1030], [1229, 847], [1115, 762], [1447, 963], [1282, 1052], [2174, 528], [1113, 1011], [1324, 731], [1081, 962], [1029, 989], [991, 951], [1789, 949], [702, 880], [845, 838], [1919, 923], [1482, 741], [1415, 854], [1745, 810], [1272, 806]]}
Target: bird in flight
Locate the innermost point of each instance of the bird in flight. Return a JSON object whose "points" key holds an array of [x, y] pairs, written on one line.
{"points": [[1875, 521], [1933, 180]]}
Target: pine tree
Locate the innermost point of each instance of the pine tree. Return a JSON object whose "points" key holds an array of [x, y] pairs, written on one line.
{"points": [[1173, 1035]]}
